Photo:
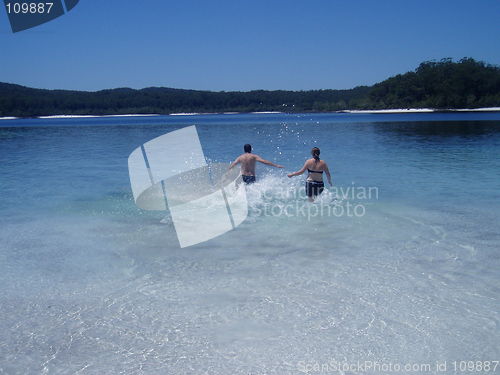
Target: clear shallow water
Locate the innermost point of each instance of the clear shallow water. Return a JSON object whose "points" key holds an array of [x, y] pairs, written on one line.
{"points": [[91, 283]]}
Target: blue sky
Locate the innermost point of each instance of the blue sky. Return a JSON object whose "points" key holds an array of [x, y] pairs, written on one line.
{"points": [[245, 45]]}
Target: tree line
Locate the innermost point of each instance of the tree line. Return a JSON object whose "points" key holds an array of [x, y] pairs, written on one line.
{"points": [[444, 84]]}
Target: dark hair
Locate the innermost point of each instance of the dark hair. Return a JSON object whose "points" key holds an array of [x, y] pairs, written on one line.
{"points": [[315, 153], [247, 148]]}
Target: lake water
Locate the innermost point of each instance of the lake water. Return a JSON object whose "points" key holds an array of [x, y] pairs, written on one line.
{"points": [[91, 284]]}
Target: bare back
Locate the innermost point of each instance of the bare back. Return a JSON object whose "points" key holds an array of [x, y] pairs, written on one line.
{"points": [[316, 165], [315, 169], [247, 161]]}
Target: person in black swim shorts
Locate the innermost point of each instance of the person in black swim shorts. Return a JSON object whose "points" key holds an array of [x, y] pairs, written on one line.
{"points": [[248, 161]]}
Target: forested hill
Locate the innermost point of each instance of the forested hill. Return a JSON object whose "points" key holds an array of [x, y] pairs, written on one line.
{"points": [[22, 101], [444, 84], [441, 85]]}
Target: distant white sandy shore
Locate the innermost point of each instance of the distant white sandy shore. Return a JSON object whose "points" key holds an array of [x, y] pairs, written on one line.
{"points": [[89, 116], [395, 110], [266, 112], [68, 116], [422, 110], [133, 115], [218, 113], [369, 111], [490, 109], [187, 114]]}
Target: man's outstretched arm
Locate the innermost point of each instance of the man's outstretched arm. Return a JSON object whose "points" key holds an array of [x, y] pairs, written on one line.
{"points": [[267, 162], [234, 163]]}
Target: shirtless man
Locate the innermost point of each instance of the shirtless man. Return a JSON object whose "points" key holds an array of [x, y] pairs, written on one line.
{"points": [[247, 161]]}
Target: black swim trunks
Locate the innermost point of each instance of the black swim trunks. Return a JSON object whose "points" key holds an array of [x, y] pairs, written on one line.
{"points": [[314, 188], [248, 179]]}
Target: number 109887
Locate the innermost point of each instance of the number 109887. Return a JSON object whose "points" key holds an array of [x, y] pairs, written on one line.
{"points": [[31, 8]]}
